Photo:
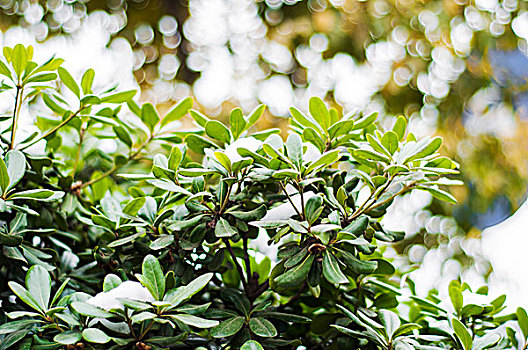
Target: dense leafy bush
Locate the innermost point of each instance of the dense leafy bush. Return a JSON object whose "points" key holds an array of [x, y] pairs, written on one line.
{"points": [[133, 234]]}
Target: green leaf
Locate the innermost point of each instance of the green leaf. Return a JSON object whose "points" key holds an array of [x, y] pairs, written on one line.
{"points": [[87, 81], [4, 70], [424, 148], [294, 147], [310, 135], [24, 295], [390, 321], [119, 97], [228, 327], [314, 207], [16, 167], [304, 120], [178, 112], [149, 116], [325, 160], [89, 310], [38, 283], [377, 146], [365, 121], [319, 112], [399, 127], [439, 194], [199, 118], [184, 293], [390, 142], [195, 321], [251, 345], [332, 271], [151, 269], [357, 265], [237, 122], [522, 319], [94, 335], [404, 329], [123, 135], [161, 242], [19, 59], [255, 115], [198, 144], [4, 177], [37, 195], [223, 229], [462, 334], [262, 327], [218, 131], [11, 339], [255, 214], [68, 337], [358, 226], [297, 274], [68, 81], [110, 282]]}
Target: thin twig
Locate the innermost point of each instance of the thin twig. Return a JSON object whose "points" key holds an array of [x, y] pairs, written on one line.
{"points": [[237, 265], [289, 199], [16, 112]]}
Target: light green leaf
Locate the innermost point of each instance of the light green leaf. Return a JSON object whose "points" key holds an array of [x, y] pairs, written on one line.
{"points": [[89, 310], [38, 283], [325, 160], [149, 116], [68, 81], [94, 335], [4, 177], [16, 167], [319, 112], [68, 337], [294, 147], [218, 131], [37, 195], [87, 81], [255, 115], [151, 269], [332, 271], [251, 345], [262, 327], [390, 142], [184, 293], [522, 319], [181, 109], [110, 282], [439, 194], [237, 122], [462, 334], [399, 127], [195, 321], [223, 229], [24, 295], [119, 97], [19, 59], [228, 327]]}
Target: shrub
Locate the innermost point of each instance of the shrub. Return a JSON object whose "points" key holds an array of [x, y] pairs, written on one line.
{"points": [[218, 237]]}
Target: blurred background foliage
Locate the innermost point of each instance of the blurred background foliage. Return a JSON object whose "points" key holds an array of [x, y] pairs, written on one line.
{"points": [[454, 68]]}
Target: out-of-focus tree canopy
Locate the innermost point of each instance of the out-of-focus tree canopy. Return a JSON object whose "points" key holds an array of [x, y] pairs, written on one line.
{"points": [[454, 68]]}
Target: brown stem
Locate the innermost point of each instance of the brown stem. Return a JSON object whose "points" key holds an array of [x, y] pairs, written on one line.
{"points": [[97, 179], [246, 259], [289, 199], [237, 265]]}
